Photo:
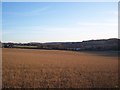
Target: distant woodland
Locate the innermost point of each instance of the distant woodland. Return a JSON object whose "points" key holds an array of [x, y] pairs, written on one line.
{"points": [[90, 45]]}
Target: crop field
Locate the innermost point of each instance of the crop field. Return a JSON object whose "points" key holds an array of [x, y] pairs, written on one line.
{"points": [[28, 68]]}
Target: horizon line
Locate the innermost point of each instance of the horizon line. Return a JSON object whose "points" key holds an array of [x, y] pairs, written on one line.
{"points": [[56, 41]]}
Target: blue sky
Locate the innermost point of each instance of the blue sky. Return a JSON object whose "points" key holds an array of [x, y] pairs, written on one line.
{"points": [[60, 0], [58, 22]]}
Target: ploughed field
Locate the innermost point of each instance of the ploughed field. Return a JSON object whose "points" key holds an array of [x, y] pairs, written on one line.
{"points": [[28, 68]]}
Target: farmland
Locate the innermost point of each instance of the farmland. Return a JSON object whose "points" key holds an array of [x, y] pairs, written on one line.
{"points": [[26, 68]]}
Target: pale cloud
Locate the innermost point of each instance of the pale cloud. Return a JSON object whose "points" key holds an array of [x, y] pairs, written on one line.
{"points": [[112, 13], [97, 24]]}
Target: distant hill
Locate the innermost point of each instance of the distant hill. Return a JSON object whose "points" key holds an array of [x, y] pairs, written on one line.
{"points": [[104, 44], [0, 44], [101, 44]]}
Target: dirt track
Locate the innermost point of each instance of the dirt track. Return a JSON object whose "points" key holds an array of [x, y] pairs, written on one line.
{"points": [[58, 69]]}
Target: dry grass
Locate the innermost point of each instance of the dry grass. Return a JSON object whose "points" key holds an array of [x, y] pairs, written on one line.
{"points": [[57, 69]]}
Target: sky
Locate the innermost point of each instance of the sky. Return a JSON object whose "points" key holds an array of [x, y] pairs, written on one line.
{"points": [[58, 21], [60, 0]]}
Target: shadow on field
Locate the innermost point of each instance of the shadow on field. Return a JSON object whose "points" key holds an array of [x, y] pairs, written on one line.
{"points": [[104, 53]]}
